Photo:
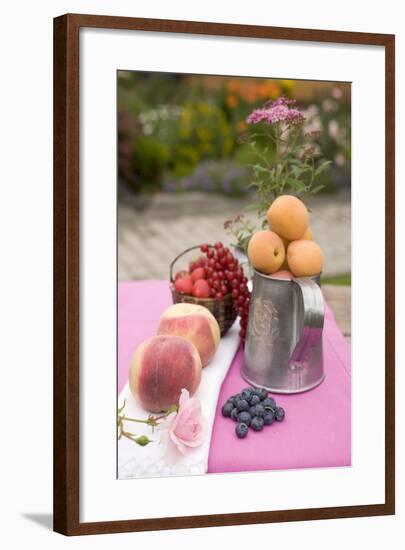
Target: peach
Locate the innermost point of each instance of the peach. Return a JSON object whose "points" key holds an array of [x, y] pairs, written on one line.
{"points": [[160, 368], [184, 284], [288, 217], [194, 322], [266, 251], [201, 289], [180, 275], [305, 258], [198, 273]]}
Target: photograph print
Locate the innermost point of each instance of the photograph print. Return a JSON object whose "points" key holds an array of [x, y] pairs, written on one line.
{"points": [[234, 274]]}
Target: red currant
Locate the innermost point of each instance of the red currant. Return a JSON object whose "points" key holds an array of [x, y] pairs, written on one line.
{"points": [[210, 253], [219, 295], [224, 290], [224, 261], [218, 245], [204, 248]]}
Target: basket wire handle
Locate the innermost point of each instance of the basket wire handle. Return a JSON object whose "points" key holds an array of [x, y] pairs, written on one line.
{"points": [[182, 254]]}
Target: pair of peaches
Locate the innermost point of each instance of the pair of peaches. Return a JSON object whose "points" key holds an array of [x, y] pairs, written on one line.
{"points": [[187, 338], [287, 246]]}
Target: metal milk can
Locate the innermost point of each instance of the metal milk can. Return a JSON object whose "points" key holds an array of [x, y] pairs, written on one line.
{"points": [[283, 349]]}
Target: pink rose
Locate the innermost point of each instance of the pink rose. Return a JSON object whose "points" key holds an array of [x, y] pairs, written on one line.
{"points": [[185, 429]]}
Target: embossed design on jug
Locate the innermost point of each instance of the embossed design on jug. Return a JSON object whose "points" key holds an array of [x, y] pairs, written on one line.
{"points": [[263, 322]]}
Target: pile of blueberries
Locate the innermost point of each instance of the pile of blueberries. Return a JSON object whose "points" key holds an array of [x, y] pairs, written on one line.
{"points": [[252, 408]]}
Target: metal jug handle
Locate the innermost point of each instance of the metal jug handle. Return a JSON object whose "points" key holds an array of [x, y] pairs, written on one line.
{"points": [[313, 319]]}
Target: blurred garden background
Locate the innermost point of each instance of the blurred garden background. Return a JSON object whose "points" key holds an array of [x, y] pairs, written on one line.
{"points": [[183, 168]]}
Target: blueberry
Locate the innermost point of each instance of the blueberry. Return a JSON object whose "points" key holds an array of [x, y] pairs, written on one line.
{"points": [[255, 399], [257, 423], [234, 414], [242, 405], [269, 402], [245, 418], [263, 393], [242, 430], [246, 394], [268, 418], [227, 409], [257, 391], [252, 410], [280, 414], [260, 410], [232, 399]]}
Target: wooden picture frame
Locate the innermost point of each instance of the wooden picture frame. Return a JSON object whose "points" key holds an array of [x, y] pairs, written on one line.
{"points": [[67, 283]]}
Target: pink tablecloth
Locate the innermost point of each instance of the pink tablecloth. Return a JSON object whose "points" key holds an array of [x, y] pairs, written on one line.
{"points": [[317, 429]]}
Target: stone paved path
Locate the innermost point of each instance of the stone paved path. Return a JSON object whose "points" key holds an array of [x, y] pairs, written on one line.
{"points": [[151, 234], [339, 299]]}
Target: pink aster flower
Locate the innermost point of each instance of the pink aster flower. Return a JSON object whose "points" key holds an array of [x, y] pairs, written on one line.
{"points": [[279, 110], [185, 429]]}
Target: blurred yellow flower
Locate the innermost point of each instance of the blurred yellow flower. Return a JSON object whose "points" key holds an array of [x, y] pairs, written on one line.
{"points": [[232, 101]]}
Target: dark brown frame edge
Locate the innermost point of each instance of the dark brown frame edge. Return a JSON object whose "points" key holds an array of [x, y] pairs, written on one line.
{"points": [[66, 273]]}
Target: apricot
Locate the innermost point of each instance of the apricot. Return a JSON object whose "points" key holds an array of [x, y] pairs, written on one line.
{"points": [[196, 324], [160, 368], [266, 251], [288, 217], [282, 274], [307, 236], [304, 258], [284, 265]]}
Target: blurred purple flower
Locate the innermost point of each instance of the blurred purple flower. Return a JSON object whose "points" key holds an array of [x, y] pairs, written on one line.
{"points": [[227, 185], [277, 111], [170, 186], [187, 183]]}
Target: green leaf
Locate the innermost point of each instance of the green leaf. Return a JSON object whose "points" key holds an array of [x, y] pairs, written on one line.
{"points": [[254, 206], [322, 167], [259, 168], [317, 189]]}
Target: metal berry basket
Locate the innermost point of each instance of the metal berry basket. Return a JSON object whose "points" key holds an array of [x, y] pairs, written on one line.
{"points": [[223, 310]]}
